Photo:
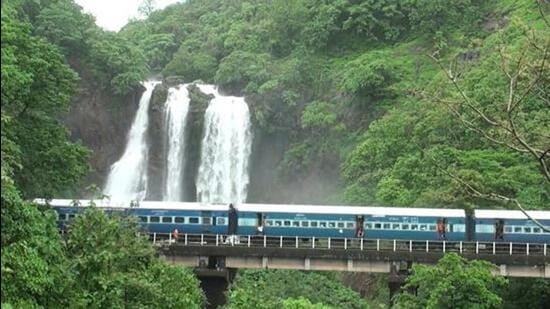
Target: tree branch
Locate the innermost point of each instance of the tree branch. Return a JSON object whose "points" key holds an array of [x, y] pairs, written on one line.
{"points": [[490, 196]]}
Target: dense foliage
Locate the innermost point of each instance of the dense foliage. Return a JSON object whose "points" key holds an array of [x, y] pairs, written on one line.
{"points": [[355, 90], [351, 85], [291, 289], [102, 262], [452, 283]]}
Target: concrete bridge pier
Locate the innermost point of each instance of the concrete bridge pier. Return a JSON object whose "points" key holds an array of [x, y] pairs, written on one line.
{"points": [[396, 278], [215, 279]]}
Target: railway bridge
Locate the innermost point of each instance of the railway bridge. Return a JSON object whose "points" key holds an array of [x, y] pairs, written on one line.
{"points": [[219, 252]]}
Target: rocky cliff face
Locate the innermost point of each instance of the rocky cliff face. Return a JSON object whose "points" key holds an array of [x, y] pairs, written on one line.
{"points": [[194, 133], [101, 120], [156, 139]]}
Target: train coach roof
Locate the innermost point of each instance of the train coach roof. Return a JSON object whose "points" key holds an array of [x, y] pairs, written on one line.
{"points": [[510, 214], [355, 210], [273, 208]]}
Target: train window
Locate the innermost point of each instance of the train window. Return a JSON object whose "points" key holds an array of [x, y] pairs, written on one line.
{"points": [[341, 225], [536, 230], [405, 226], [350, 225], [396, 226], [485, 228], [517, 229], [142, 219], [206, 220], [166, 219], [248, 221], [71, 216], [527, 230], [414, 227], [193, 220], [314, 224], [295, 223], [387, 226], [286, 223], [378, 226], [431, 227], [305, 223], [368, 226], [154, 219], [459, 228], [507, 229], [179, 219], [323, 224], [268, 222], [278, 223], [423, 227], [331, 224]]}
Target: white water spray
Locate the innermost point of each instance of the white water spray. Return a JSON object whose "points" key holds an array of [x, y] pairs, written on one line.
{"points": [[226, 146], [177, 107], [127, 178]]}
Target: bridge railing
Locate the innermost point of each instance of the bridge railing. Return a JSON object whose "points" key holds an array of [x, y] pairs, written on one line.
{"points": [[332, 243]]}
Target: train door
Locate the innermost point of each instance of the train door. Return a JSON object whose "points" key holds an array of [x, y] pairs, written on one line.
{"points": [[470, 226], [206, 222], [359, 226], [441, 226], [499, 229], [260, 223]]}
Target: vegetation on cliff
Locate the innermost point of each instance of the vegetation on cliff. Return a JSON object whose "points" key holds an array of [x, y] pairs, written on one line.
{"points": [[101, 262], [358, 86]]}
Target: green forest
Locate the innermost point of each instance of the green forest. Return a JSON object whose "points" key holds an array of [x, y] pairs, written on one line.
{"points": [[416, 103]]}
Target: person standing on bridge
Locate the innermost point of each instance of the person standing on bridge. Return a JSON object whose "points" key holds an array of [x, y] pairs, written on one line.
{"points": [[175, 235], [232, 225]]}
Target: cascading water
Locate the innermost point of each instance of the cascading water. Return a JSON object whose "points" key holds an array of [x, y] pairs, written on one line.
{"points": [[127, 179], [226, 146], [177, 106]]}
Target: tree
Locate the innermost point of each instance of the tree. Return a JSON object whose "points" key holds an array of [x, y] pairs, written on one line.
{"points": [[37, 86], [508, 108], [302, 303], [146, 7], [453, 283], [272, 288], [116, 267]]}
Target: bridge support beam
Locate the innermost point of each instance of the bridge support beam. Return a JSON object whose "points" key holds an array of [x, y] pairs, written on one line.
{"points": [[537, 271]]}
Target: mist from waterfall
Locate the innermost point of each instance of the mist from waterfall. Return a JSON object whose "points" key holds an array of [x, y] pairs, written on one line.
{"points": [[225, 150], [175, 121], [127, 178]]}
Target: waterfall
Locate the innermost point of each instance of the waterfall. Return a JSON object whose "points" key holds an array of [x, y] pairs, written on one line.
{"points": [[226, 146], [177, 106], [127, 178]]}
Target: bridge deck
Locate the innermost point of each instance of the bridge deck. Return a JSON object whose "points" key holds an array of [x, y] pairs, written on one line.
{"points": [[370, 255]]}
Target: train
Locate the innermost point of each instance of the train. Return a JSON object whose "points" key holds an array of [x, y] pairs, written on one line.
{"points": [[322, 221]]}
